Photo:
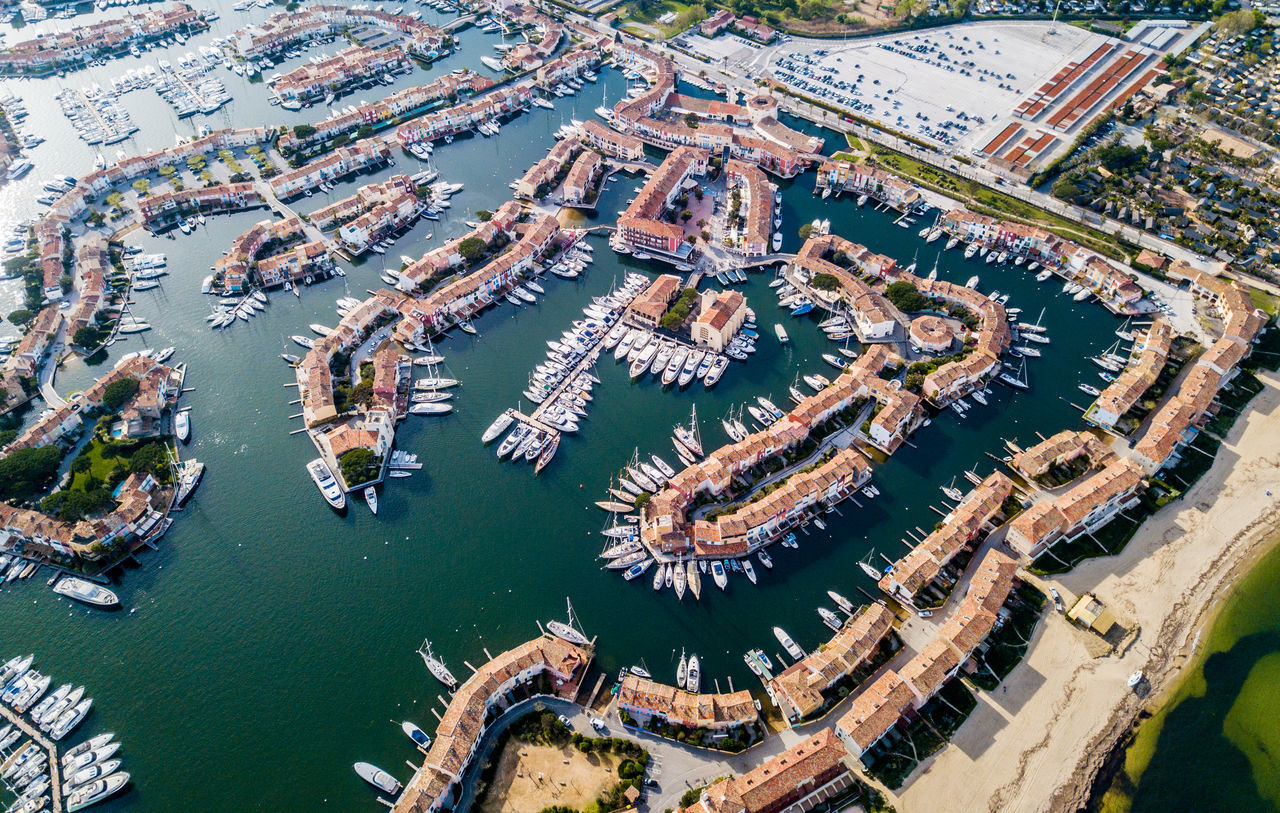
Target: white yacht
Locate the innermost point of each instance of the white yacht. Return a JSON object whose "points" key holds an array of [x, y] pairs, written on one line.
{"points": [[325, 481]]}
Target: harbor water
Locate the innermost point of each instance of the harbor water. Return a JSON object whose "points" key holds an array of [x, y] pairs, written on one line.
{"points": [[270, 643]]}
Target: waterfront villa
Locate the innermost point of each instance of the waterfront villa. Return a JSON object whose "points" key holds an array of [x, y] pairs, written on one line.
{"points": [[908, 576], [896, 694], [648, 702], [165, 209], [800, 778], [543, 666], [802, 688]]}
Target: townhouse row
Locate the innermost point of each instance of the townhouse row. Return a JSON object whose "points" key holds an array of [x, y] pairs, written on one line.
{"points": [[417, 37], [642, 225], [840, 175], [466, 115], [1153, 346], [349, 66], [167, 208], [898, 695], [665, 525], [757, 201], [393, 106], [105, 38], [347, 160], [924, 563], [805, 686], [648, 701], [480, 700]]}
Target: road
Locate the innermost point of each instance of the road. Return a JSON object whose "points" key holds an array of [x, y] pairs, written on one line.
{"points": [[985, 177]]}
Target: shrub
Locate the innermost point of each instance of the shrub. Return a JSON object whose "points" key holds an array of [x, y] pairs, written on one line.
{"points": [[118, 392], [905, 296], [23, 472]]}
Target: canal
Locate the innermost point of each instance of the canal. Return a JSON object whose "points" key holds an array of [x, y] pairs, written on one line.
{"points": [[269, 643]]}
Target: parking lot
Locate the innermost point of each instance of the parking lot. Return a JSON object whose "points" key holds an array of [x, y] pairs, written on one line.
{"points": [[953, 86]]}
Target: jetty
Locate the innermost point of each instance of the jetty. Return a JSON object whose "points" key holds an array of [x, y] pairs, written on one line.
{"points": [[51, 750]]}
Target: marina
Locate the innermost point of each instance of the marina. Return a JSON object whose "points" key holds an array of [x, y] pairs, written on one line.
{"points": [[436, 532]]}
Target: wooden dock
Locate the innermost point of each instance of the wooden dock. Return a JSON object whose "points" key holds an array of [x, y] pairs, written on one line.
{"points": [[54, 769]]}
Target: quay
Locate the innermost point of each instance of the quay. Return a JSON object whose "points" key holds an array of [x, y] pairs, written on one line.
{"points": [[55, 769], [587, 361]]}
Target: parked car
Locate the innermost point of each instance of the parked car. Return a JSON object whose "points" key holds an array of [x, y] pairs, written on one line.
{"points": [[1057, 598]]}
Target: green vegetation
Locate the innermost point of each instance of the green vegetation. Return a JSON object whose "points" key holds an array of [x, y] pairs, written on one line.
{"points": [[905, 297], [471, 248], [21, 316], [358, 466], [675, 316], [118, 393], [1235, 23], [997, 204], [26, 471], [939, 719], [824, 282]]}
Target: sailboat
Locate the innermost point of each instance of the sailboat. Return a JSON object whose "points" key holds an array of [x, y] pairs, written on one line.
{"points": [[868, 568], [682, 671], [679, 576], [688, 437], [934, 273], [952, 492], [695, 580], [436, 666], [567, 631]]}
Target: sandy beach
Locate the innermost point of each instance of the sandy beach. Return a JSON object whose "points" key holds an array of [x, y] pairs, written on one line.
{"points": [[1037, 742]]}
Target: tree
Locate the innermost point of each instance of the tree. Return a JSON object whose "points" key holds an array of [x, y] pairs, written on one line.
{"points": [[824, 282], [150, 458], [303, 131], [23, 472], [1064, 189], [86, 336], [358, 466], [21, 316], [118, 392], [905, 296], [471, 248], [691, 119], [805, 230]]}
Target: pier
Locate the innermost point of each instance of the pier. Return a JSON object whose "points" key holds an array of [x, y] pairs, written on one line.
{"points": [[55, 769]]}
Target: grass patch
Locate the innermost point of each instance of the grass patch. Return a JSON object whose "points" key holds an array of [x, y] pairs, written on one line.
{"points": [[983, 200], [102, 461]]}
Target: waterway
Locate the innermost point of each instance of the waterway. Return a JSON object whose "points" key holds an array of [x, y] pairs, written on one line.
{"points": [[270, 643], [1214, 744]]}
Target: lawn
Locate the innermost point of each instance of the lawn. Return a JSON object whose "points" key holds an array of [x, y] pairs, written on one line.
{"points": [[988, 201], [100, 466], [640, 21]]}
